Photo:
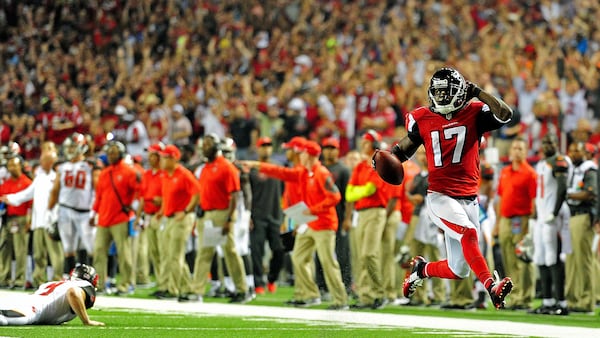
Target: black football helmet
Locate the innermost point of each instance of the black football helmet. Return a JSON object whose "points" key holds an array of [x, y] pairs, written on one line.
{"points": [[85, 272], [447, 91]]}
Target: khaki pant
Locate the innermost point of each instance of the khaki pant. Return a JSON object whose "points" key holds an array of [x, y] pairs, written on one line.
{"points": [[43, 248], [522, 273], [20, 238], [579, 283], [354, 254], [156, 250], [401, 273], [6, 252], [173, 266], [388, 263], [119, 233], [234, 262], [323, 242], [141, 262], [461, 291], [371, 223], [432, 254]]}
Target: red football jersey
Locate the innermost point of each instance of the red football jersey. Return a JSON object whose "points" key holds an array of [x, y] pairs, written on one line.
{"points": [[452, 146]]}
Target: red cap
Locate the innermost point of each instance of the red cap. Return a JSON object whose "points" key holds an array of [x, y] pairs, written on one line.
{"points": [[171, 151], [312, 148], [296, 143], [372, 135], [264, 141], [155, 148], [330, 142]]}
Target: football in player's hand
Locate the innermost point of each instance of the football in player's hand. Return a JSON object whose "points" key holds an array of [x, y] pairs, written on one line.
{"points": [[388, 166]]}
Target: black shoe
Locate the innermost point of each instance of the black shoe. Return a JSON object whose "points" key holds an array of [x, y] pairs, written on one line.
{"points": [[361, 306], [542, 310], [338, 307], [291, 302], [165, 295], [378, 304], [189, 297], [240, 298], [560, 311], [156, 293], [415, 279], [518, 307], [224, 293], [308, 302]]}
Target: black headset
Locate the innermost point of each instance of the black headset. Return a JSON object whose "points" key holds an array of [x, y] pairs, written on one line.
{"points": [[373, 133], [120, 146], [216, 140]]}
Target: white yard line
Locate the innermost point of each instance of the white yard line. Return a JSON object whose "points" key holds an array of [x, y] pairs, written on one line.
{"points": [[352, 317], [369, 319]]}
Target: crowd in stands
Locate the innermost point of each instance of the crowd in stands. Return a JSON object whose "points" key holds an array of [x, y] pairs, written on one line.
{"points": [[143, 72], [285, 68]]}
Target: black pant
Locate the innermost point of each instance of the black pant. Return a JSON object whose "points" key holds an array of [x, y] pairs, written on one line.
{"points": [[265, 231], [342, 251]]}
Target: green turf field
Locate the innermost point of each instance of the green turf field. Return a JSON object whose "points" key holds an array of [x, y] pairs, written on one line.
{"points": [[157, 323], [139, 324]]}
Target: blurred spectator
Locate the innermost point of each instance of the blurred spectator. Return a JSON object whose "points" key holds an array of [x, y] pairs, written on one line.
{"points": [[72, 68], [270, 123], [180, 127], [244, 131]]}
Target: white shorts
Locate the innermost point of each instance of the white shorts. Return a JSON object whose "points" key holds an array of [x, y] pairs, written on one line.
{"points": [[545, 238], [74, 226], [453, 216]]}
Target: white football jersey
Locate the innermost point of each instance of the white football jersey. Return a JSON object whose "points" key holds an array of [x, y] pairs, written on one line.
{"points": [[545, 197], [49, 305], [76, 188]]}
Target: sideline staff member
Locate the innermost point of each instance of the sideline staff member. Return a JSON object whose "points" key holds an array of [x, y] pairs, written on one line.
{"points": [[179, 199]]}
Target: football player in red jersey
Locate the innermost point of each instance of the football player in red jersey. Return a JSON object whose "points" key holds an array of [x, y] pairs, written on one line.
{"points": [[451, 129]]}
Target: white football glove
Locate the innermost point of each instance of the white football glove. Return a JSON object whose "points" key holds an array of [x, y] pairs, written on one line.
{"points": [[550, 220]]}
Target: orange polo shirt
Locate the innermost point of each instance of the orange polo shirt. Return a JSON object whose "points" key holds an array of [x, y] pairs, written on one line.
{"points": [[218, 180], [517, 190], [12, 185], [292, 190], [106, 204], [151, 187], [177, 190], [361, 175], [317, 190]]}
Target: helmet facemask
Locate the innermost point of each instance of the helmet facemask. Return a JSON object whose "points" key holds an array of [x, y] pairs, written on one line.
{"points": [[447, 91]]}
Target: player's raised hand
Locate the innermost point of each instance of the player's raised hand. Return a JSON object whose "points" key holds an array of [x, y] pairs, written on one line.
{"points": [[472, 90]]}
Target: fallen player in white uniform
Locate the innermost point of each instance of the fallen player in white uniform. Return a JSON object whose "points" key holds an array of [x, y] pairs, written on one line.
{"points": [[54, 302]]}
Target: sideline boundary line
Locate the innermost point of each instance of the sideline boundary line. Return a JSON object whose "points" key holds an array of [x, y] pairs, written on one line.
{"points": [[372, 319]]}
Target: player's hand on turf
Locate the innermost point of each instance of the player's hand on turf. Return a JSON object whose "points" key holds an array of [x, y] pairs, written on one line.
{"points": [[94, 323]]}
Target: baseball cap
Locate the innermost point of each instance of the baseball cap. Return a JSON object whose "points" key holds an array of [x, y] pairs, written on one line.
{"points": [[272, 101], [296, 143], [170, 151], [372, 135], [296, 104], [330, 142], [264, 141], [312, 148], [178, 108], [155, 148]]}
